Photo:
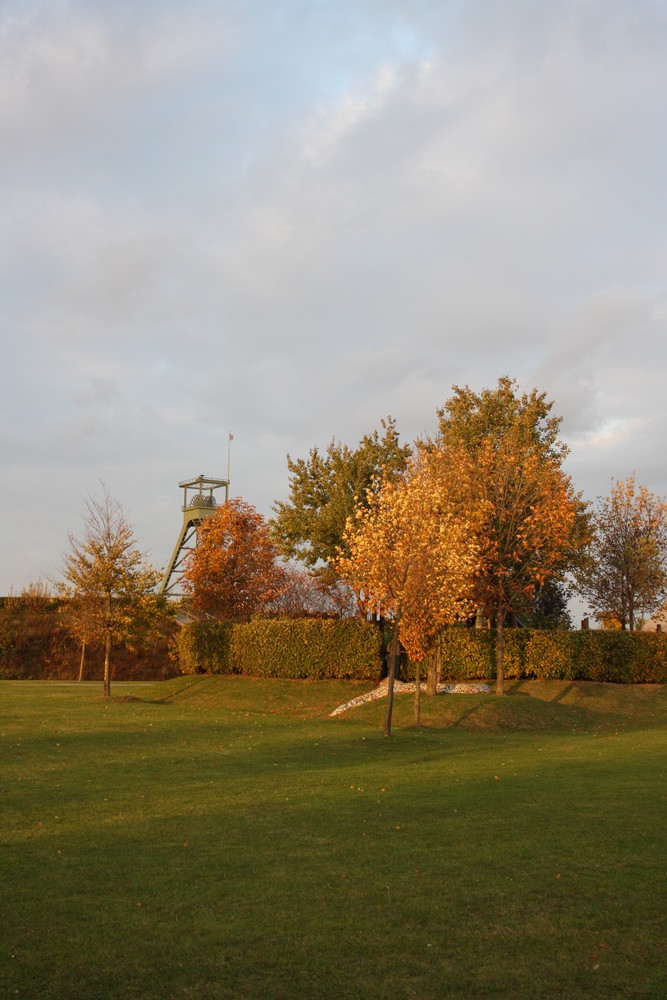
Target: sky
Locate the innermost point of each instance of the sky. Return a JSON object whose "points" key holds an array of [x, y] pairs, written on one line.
{"points": [[287, 219]]}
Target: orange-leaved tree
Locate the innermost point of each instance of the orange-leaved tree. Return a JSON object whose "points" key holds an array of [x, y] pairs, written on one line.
{"points": [[531, 525], [233, 572], [411, 556], [527, 519]]}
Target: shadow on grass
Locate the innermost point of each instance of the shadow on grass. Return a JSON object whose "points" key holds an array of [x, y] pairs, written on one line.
{"points": [[168, 699]]}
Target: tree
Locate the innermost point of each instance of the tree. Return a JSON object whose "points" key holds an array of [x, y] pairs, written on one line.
{"points": [[325, 491], [81, 622], [305, 594], [625, 575], [233, 571], [109, 585], [411, 557], [548, 607], [529, 520]]}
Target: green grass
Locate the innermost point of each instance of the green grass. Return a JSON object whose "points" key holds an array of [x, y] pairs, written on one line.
{"points": [[223, 837]]}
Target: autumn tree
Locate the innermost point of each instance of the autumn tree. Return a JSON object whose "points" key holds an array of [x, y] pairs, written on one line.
{"points": [[411, 556], [108, 583], [82, 621], [305, 593], [530, 522], [625, 575], [324, 491], [233, 572]]}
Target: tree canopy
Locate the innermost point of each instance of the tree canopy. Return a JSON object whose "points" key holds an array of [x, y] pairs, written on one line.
{"points": [[233, 572], [324, 491], [108, 583], [625, 574], [529, 520], [410, 556]]}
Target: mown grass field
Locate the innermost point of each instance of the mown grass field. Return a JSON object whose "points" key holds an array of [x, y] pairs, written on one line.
{"points": [[223, 837]]}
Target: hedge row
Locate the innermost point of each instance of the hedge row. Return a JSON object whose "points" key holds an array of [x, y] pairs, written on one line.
{"points": [[316, 649], [621, 657], [304, 648]]}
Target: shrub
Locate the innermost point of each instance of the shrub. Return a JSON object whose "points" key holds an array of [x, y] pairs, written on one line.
{"points": [[620, 657], [205, 648], [303, 648]]}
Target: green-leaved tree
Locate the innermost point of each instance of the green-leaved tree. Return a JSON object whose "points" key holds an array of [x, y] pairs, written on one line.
{"points": [[324, 491]]}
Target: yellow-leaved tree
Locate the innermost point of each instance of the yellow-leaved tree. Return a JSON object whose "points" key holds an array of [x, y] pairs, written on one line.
{"points": [[411, 555], [108, 585]]}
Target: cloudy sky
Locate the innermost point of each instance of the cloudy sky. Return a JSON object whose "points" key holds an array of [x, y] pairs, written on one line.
{"points": [[289, 218]]}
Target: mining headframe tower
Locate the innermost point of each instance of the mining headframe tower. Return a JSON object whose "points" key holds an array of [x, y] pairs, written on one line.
{"points": [[198, 505]]}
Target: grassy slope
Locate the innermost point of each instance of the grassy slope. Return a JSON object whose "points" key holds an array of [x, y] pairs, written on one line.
{"points": [[224, 838]]}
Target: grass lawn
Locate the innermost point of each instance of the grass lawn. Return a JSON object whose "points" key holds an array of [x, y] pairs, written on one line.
{"points": [[223, 837]]}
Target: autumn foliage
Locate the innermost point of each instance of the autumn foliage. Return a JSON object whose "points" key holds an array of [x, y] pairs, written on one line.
{"points": [[483, 515], [233, 572], [411, 556], [108, 585], [625, 575]]}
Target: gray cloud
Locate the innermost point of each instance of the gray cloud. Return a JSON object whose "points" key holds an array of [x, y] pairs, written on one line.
{"points": [[288, 220]]}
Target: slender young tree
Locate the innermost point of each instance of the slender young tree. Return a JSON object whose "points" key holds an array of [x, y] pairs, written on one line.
{"points": [[412, 557], [108, 581]]}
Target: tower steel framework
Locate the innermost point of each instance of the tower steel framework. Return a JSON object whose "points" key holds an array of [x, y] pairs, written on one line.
{"points": [[198, 504]]}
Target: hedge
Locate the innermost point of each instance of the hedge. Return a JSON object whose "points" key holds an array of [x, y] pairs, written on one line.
{"points": [[304, 648], [596, 655], [316, 649]]}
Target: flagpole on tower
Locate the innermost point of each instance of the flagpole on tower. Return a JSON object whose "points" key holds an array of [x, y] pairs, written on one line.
{"points": [[229, 450]]}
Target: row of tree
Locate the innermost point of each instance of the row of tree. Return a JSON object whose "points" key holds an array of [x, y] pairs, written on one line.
{"points": [[480, 521]]}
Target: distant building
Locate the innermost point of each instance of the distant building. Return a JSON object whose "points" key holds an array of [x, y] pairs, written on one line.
{"points": [[658, 621]]}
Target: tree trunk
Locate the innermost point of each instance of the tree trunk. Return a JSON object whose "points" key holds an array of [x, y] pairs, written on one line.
{"points": [[500, 663], [418, 720], [390, 682], [432, 676], [82, 661], [438, 662], [107, 667]]}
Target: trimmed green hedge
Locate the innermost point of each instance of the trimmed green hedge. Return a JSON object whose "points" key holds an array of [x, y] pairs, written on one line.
{"points": [[621, 657], [309, 648], [205, 648], [305, 648]]}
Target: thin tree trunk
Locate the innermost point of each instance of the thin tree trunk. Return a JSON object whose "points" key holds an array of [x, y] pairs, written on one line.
{"points": [[107, 667], [432, 676], [390, 682], [418, 685], [500, 664], [82, 661], [438, 662]]}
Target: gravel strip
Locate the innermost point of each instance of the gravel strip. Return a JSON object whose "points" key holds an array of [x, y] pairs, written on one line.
{"points": [[405, 687]]}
